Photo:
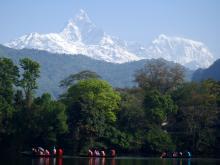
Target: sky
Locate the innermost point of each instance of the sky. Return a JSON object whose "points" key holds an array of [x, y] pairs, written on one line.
{"points": [[131, 20]]}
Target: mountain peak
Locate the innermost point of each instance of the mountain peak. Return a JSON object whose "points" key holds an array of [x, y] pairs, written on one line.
{"points": [[162, 36], [190, 53], [82, 16]]}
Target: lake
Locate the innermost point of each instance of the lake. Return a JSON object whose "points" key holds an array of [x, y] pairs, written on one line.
{"points": [[108, 161]]}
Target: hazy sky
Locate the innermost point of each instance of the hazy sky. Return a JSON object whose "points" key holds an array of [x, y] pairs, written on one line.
{"points": [[133, 20]]}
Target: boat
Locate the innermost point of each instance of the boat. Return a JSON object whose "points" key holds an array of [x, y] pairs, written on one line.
{"points": [[88, 156], [176, 155], [31, 154]]}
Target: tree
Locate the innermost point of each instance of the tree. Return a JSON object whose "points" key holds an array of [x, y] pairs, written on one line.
{"points": [[158, 140], [194, 124], [158, 106], [31, 71], [6, 117], [160, 76], [131, 117], [92, 107], [83, 75], [9, 75], [43, 124], [51, 119]]}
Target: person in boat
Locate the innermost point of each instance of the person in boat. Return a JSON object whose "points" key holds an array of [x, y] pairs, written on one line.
{"points": [[90, 153], [189, 154], [103, 153], [175, 154], [163, 155], [60, 152], [46, 152], [113, 152], [180, 154], [54, 151], [97, 153], [40, 151], [34, 151]]}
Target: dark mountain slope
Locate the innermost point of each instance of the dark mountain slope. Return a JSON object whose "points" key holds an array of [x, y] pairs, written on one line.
{"points": [[213, 72]]}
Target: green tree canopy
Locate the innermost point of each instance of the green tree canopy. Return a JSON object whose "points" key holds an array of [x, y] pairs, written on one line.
{"points": [[158, 140], [160, 76], [158, 106], [51, 119], [92, 106], [30, 73], [9, 75], [197, 115], [83, 75]]}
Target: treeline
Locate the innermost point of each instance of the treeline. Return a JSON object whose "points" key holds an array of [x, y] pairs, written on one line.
{"points": [[162, 113]]}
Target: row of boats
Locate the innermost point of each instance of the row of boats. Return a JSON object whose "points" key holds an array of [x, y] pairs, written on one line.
{"points": [[176, 154], [40, 152]]}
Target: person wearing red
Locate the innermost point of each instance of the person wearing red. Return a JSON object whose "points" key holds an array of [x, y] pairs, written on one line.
{"points": [[60, 152], [113, 153]]}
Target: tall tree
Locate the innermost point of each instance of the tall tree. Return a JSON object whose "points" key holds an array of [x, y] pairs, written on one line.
{"points": [[83, 75], [92, 106], [160, 76], [30, 73], [9, 75]]}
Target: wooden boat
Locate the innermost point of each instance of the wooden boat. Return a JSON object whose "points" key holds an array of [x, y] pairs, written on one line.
{"points": [[87, 156], [30, 154], [170, 155]]}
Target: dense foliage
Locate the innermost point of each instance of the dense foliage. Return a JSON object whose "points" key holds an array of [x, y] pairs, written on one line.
{"points": [[162, 113]]}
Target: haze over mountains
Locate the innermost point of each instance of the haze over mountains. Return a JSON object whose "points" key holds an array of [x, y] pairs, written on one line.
{"points": [[82, 36]]}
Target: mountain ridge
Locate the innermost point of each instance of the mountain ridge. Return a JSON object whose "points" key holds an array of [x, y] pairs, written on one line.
{"points": [[82, 36], [211, 72]]}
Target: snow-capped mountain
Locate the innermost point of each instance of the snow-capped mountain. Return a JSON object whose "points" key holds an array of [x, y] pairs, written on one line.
{"points": [[192, 54], [81, 36]]}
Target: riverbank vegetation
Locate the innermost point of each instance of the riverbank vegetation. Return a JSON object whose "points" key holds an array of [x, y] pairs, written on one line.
{"points": [[163, 112]]}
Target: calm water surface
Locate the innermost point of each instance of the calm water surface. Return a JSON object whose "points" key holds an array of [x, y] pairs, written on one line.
{"points": [[108, 161]]}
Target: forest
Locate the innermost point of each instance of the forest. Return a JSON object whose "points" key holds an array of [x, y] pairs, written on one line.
{"points": [[162, 113]]}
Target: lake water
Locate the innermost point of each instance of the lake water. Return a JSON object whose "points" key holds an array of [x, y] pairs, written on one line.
{"points": [[108, 161]]}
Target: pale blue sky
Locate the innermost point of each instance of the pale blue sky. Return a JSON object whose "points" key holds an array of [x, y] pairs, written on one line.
{"points": [[133, 20]]}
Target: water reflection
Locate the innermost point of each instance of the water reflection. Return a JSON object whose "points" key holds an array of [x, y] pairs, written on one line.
{"points": [[84, 161], [47, 161], [109, 161], [100, 161]]}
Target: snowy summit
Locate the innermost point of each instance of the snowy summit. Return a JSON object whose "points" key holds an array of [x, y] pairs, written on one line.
{"points": [[81, 36]]}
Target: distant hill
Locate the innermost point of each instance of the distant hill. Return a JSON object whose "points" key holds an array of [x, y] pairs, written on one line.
{"points": [[56, 67], [213, 72]]}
